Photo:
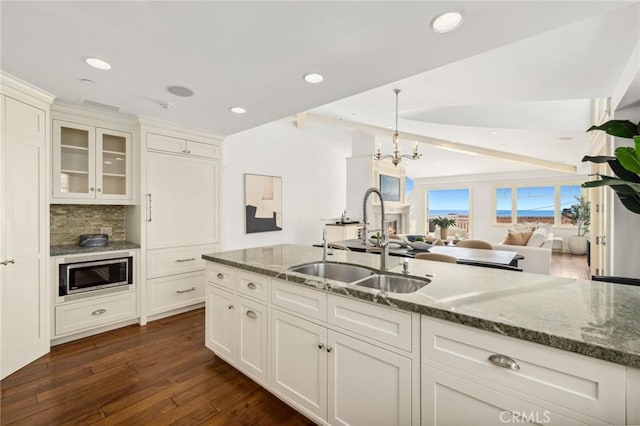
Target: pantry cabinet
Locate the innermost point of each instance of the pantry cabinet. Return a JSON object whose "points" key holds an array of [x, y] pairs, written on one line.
{"points": [[91, 163]]}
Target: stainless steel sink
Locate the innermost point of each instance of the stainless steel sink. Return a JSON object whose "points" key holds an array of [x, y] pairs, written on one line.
{"points": [[334, 271], [393, 283]]}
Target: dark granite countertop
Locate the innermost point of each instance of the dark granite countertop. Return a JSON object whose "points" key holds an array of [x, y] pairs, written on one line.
{"points": [[596, 319], [75, 249]]}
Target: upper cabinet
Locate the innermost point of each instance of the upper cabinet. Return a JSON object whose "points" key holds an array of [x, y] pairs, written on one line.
{"points": [[92, 163], [176, 145]]}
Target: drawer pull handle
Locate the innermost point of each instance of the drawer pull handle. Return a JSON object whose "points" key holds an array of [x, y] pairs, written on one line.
{"points": [[252, 315], [329, 348], [220, 276], [251, 286], [320, 345], [191, 259], [186, 291], [99, 312], [7, 262], [504, 361]]}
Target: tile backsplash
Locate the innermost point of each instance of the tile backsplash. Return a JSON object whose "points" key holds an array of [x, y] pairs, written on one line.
{"points": [[69, 221]]}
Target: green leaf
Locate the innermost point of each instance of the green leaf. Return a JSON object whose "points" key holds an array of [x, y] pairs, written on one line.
{"points": [[636, 142], [615, 165], [598, 159], [619, 128], [628, 159]]}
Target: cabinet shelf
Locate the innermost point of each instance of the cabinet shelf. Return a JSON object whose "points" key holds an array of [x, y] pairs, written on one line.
{"points": [[75, 172], [113, 152], [114, 175], [74, 147]]}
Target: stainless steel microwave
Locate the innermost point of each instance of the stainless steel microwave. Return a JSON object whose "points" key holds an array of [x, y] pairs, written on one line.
{"points": [[78, 275]]}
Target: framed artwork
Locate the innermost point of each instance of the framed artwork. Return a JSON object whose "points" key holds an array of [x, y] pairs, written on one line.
{"points": [[390, 188], [262, 203]]}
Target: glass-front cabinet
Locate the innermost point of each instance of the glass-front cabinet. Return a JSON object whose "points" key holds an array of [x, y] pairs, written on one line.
{"points": [[90, 163]]}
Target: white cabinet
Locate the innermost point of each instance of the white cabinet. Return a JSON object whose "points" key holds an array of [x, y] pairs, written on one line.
{"points": [[343, 232], [180, 209], [95, 312], [236, 326], [91, 163], [175, 291], [23, 234], [502, 373], [177, 145]]}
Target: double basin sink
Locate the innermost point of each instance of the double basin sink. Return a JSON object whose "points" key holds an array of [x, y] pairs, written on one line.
{"points": [[360, 276]]}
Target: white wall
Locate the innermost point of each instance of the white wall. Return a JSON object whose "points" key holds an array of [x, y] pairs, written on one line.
{"points": [[313, 171]]}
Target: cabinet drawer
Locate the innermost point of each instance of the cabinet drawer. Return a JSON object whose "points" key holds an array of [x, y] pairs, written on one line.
{"points": [[224, 276], [382, 324], [586, 385], [94, 313], [300, 300], [253, 285], [200, 149], [162, 262], [165, 143], [175, 292]]}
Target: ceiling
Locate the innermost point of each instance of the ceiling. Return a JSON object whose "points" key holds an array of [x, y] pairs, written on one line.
{"points": [[517, 77]]}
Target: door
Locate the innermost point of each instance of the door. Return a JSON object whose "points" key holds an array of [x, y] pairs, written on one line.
{"points": [[219, 326], [113, 165], [73, 160], [299, 363], [23, 211], [252, 339], [181, 200], [599, 197], [358, 397]]}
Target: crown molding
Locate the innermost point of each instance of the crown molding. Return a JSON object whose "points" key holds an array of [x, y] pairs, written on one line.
{"points": [[149, 124], [12, 86]]}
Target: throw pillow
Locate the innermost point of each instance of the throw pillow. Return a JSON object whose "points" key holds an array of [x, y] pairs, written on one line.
{"points": [[537, 238], [517, 238]]}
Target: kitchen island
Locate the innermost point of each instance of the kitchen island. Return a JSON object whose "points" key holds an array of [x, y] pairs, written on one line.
{"points": [[549, 317]]}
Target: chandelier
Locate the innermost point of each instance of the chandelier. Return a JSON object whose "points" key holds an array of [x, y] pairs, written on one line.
{"points": [[396, 157]]}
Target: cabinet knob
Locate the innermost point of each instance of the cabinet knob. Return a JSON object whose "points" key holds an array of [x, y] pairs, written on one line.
{"points": [[92, 189], [504, 361], [220, 275], [99, 189], [230, 307], [252, 315], [329, 348], [320, 345], [188, 151], [251, 286]]}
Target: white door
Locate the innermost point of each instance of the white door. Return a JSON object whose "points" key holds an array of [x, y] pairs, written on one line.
{"points": [[299, 363], [23, 210], [181, 200], [252, 339], [113, 165], [368, 385], [448, 399], [219, 326]]}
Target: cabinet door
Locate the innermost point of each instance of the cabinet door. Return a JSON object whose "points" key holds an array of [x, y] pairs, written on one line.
{"points": [[182, 193], [200, 149], [24, 315], [367, 384], [451, 400], [113, 165], [219, 326], [73, 160], [252, 339], [166, 143], [299, 363]]}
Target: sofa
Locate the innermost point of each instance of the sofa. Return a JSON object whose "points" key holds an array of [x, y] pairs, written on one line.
{"points": [[537, 256]]}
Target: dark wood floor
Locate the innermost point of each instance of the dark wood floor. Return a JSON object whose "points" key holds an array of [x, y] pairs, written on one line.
{"points": [[158, 374], [569, 266]]}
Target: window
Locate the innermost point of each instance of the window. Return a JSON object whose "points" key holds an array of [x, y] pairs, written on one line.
{"points": [[452, 203], [534, 204]]}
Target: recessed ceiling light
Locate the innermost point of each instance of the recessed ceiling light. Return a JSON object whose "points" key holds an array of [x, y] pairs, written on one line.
{"points": [[166, 105], [446, 22], [185, 92], [237, 110], [313, 78], [98, 63]]}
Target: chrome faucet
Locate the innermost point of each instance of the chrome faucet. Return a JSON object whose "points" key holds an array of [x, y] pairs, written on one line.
{"points": [[383, 242], [324, 244]]}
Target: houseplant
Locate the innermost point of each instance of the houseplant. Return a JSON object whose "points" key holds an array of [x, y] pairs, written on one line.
{"points": [[625, 165], [579, 214], [443, 223]]}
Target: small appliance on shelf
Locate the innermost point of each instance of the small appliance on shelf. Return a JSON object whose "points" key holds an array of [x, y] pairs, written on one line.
{"points": [[94, 240]]}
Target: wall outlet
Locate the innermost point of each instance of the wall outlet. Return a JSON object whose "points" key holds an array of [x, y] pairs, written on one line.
{"points": [[106, 230]]}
